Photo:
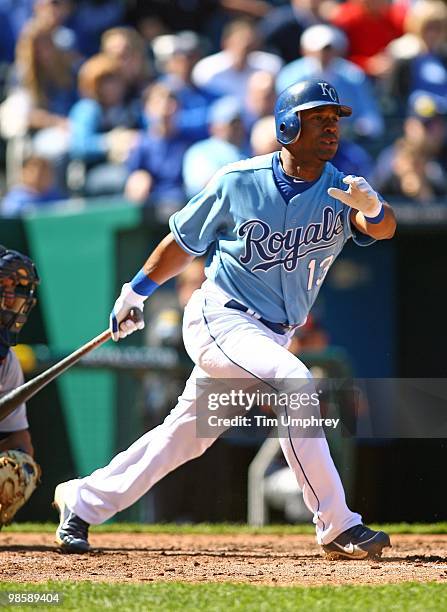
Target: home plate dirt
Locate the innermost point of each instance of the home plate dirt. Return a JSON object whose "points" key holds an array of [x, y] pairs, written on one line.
{"points": [[256, 559]]}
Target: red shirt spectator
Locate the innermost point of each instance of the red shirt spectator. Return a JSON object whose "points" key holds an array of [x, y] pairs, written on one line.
{"points": [[369, 25]]}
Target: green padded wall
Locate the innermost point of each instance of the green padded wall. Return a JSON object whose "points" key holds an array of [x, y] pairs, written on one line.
{"points": [[74, 249]]}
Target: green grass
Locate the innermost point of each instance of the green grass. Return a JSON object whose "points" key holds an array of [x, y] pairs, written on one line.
{"points": [[175, 596], [225, 528]]}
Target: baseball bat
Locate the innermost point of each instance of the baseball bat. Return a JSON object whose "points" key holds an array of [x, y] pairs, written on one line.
{"points": [[13, 399]]}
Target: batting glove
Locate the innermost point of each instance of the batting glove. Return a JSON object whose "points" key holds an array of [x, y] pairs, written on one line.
{"points": [[360, 195], [120, 327]]}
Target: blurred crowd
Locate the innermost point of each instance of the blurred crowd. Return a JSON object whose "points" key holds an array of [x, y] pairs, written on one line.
{"points": [[147, 98]]}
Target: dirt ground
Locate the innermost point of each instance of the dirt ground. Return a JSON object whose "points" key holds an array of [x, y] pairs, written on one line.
{"points": [[257, 559]]}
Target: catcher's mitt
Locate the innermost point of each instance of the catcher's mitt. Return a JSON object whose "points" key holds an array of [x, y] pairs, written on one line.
{"points": [[19, 476]]}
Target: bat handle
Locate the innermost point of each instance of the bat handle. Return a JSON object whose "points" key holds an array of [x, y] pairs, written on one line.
{"points": [[134, 314]]}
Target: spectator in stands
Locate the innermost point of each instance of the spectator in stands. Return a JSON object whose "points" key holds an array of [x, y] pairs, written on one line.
{"points": [[175, 57], [155, 163], [47, 75], [51, 13], [424, 30], [260, 98], [127, 47], [103, 125], [35, 190], [263, 136], [323, 47], [414, 166], [206, 17], [93, 17], [281, 28], [54, 14], [226, 73], [421, 54], [16, 14], [224, 146], [413, 175], [369, 26], [39, 104], [158, 17]]}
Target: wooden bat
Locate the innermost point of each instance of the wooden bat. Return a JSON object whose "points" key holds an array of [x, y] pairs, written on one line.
{"points": [[13, 399]]}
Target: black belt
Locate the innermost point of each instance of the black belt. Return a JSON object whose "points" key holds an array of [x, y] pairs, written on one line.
{"points": [[278, 328]]}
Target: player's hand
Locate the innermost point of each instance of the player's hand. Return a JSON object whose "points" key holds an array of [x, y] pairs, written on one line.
{"points": [[120, 327], [360, 195]]}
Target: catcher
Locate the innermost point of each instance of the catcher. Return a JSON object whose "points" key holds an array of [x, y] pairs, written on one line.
{"points": [[19, 474]]}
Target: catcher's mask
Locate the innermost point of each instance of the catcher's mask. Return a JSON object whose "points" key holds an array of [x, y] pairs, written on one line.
{"points": [[18, 283]]}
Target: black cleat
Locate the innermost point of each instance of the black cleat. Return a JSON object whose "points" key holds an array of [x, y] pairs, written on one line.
{"points": [[358, 542], [72, 533]]}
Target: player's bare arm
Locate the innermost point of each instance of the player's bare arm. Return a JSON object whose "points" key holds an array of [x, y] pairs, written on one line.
{"points": [[166, 261], [380, 231]]}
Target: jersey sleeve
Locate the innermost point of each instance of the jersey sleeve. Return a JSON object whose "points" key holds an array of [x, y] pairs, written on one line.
{"points": [[197, 225], [12, 377]]}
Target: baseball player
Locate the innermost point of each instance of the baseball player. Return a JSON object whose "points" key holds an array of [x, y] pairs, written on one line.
{"points": [[19, 474], [271, 227]]}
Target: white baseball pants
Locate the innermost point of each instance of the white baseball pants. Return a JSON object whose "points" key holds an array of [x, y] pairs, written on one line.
{"points": [[223, 343]]}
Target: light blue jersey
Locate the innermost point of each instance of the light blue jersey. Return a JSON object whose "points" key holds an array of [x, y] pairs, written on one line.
{"points": [[270, 256]]}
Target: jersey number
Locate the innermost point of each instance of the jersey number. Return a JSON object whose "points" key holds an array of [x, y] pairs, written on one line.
{"points": [[324, 266]]}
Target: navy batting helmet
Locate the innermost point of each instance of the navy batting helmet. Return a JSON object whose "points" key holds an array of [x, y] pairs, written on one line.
{"points": [[18, 282], [298, 97]]}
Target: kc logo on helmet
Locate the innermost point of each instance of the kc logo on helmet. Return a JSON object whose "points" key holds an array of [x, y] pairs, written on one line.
{"points": [[327, 90]]}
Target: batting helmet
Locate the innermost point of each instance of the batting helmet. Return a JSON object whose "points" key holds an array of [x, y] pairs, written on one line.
{"points": [[18, 283], [302, 96]]}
